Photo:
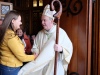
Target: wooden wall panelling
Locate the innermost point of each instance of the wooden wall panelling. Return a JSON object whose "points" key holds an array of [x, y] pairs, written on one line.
{"points": [[74, 37], [82, 40], [75, 26], [93, 61], [89, 35], [98, 39], [69, 24], [95, 52], [26, 21]]}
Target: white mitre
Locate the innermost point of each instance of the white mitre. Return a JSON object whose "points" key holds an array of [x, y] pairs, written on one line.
{"points": [[48, 12]]}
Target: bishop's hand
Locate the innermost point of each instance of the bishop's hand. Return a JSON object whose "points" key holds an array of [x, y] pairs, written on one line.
{"points": [[58, 48]]}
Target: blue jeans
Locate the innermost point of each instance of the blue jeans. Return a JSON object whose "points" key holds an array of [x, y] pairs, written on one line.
{"points": [[5, 70]]}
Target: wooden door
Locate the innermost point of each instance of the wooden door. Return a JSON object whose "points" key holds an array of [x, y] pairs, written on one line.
{"points": [[79, 29], [96, 39]]}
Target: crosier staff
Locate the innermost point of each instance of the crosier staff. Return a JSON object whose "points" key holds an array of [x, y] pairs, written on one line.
{"points": [[57, 15]]}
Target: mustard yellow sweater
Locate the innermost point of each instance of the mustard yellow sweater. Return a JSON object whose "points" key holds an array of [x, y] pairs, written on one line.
{"points": [[12, 52]]}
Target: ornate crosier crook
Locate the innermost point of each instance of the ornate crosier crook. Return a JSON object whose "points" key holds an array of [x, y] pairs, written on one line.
{"points": [[57, 15]]}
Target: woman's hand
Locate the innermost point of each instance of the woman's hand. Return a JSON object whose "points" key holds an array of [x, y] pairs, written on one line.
{"points": [[35, 55]]}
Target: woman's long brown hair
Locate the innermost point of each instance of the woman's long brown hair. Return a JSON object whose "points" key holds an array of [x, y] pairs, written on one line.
{"points": [[7, 23]]}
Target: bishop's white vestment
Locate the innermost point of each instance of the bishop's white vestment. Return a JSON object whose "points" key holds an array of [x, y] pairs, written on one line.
{"points": [[44, 46]]}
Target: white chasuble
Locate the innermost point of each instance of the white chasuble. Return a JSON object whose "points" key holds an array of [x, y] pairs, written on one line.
{"points": [[44, 46]]}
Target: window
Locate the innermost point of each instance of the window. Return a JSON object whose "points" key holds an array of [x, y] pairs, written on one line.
{"points": [[5, 7], [36, 2]]}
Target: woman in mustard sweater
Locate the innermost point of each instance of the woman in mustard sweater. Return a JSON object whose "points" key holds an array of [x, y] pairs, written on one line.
{"points": [[12, 53]]}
